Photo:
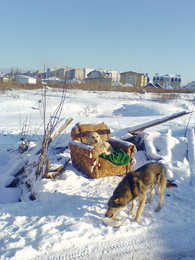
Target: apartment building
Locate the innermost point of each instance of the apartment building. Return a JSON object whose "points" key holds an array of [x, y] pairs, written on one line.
{"points": [[134, 78], [168, 81]]}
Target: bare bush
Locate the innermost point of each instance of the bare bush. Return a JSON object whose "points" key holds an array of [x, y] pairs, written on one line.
{"points": [[90, 87], [162, 97], [48, 132]]}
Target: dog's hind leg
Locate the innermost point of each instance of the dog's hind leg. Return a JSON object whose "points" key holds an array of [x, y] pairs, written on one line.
{"points": [[151, 196], [132, 207], [141, 207], [161, 190]]}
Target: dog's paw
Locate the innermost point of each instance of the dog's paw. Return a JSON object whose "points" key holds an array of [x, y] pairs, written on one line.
{"points": [[131, 212], [137, 218], [148, 201], [157, 209]]}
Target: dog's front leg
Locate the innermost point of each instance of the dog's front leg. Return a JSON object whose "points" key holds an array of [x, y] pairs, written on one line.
{"points": [[141, 207], [132, 207]]}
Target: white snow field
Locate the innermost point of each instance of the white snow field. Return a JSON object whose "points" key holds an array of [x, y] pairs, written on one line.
{"points": [[66, 219]]}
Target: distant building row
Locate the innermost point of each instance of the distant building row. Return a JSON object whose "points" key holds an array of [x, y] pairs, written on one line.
{"points": [[93, 76], [52, 75], [109, 77], [116, 78]]}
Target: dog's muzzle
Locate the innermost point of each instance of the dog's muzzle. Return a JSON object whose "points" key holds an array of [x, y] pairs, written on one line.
{"points": [[112, 211], [109, 214]]}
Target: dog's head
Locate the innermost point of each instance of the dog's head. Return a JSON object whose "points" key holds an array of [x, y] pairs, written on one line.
{"points": [[93, 138], [114, 206]]}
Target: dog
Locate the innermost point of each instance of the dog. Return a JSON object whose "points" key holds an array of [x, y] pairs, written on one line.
{"points": [[94, 139], [136, 185]]}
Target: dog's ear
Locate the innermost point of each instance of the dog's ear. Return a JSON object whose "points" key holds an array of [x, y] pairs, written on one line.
{"points": [[117, 201]]}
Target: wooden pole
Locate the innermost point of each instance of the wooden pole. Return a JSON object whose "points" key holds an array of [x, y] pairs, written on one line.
{"points": [[142, 127]]}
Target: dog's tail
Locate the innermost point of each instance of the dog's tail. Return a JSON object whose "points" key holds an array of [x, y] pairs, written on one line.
{"points": [[171, 184]]}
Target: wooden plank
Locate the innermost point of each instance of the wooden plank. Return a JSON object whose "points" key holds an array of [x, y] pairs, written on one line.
{"points": [[52, 173], [60, 129], [142, 127]]}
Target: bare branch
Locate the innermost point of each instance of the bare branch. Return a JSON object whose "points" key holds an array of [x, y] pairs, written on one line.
{"points": [[50, 133]]}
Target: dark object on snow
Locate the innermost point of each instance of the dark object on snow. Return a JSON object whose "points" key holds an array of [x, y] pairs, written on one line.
{"points": [[23, 145]]}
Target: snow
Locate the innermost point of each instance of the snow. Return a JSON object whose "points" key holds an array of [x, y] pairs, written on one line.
{"points": [[191, 153], [66, 219]]}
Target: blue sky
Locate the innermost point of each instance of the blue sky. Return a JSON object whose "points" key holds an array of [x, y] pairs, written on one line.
{"points": [[147, 36]]}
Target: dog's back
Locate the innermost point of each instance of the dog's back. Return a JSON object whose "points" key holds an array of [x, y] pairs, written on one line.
{"points": [[152, 173]]}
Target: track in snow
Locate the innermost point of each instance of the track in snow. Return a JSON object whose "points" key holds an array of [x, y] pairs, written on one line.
{"points": [[159, 245]]}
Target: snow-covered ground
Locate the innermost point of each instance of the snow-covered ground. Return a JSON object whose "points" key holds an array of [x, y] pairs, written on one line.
{"points": [[65, 221]]}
